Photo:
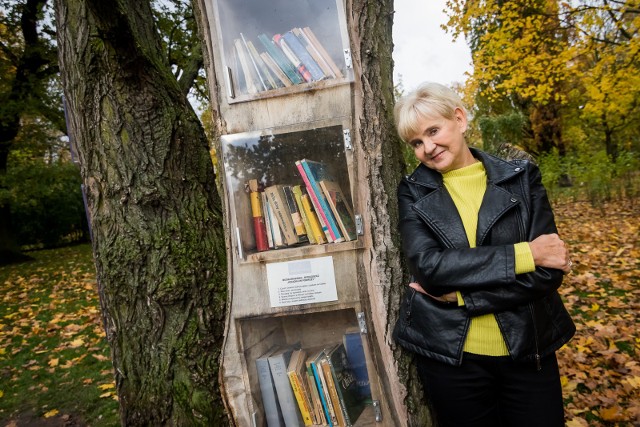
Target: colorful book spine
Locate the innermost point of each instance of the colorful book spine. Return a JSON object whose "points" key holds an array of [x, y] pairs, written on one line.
{"points": [[288, 52], [333, 394], [315, 398], [278, 56], [297, 196], [325, 210], [316, 228], [267, 219], [303, 55], [262, 68], [315, 202], [259, 225], [296, 216], [317, 376], [281, 212]]}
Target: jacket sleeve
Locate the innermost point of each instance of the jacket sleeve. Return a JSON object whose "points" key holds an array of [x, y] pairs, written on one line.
{"points": [[529, 286], [437, 265]]}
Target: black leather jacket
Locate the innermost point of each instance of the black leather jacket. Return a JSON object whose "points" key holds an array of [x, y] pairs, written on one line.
{"points": [[515, 208]]}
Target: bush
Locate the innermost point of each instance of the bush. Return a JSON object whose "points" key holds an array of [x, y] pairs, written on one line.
{"points": [[46, 203]]}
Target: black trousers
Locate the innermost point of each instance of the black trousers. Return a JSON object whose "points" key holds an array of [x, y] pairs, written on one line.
{"points": [[490, 391]]}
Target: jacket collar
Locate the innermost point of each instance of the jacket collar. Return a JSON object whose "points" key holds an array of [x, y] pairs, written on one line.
{"points": [[498, 170]]}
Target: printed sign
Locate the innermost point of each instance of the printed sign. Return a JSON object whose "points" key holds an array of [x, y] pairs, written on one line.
{"points": [[304, 281]]}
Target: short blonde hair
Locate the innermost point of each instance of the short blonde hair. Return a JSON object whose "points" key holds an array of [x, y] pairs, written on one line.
{"points": [[427, 100]]}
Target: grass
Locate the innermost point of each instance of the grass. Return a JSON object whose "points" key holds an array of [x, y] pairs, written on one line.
{"points": [[54, 359]]}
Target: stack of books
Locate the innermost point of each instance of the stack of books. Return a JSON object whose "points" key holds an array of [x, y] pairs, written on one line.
{"points": [[315, 211], [282, 60], [314, 387]]}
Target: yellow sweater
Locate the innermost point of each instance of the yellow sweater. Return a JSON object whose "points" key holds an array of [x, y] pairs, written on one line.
{"points": [[467, 187]]}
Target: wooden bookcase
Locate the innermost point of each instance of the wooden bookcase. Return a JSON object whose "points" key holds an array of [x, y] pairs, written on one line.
{"points": [[263, 133]]}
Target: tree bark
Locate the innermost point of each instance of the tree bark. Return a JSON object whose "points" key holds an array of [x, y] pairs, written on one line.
{"points": [[155, 212], [381, 166]]}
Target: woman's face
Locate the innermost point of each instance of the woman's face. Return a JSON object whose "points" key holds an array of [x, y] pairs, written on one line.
{"points": [[440, 145]]}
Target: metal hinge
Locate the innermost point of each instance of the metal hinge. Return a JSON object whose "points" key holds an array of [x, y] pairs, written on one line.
{"points": [[346, 134], [347, 59], [377, 411], [362, 323], [359, 225]]}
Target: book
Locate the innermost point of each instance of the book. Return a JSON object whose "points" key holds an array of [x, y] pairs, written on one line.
{"points": [[262, 69], [314, 232], [267, 219], [341, 208], [273, 67], [296, 216], [315, 396], [303, 55], [297, 377], [319, 231], [278, 56], [317, 56], [291, 56], [259, 225], [260, 82], [333, 392], [316, 43], [352, 341], [276, 233], [273, 413], [351, 402], [278, 363], [316, 366], [278, 205], [314, 173], [247, 71]]}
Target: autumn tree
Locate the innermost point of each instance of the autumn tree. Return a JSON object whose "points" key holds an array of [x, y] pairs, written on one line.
{"points": [[520, 61], [155, 212]]}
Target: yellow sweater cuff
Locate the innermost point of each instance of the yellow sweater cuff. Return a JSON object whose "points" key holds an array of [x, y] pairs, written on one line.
{"points": [[524, 258]]}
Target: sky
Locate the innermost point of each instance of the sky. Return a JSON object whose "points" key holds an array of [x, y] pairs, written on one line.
{"points": [[423, 51]]}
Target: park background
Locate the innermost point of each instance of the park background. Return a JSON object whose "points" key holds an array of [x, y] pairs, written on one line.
{"points": [[558, 81]]}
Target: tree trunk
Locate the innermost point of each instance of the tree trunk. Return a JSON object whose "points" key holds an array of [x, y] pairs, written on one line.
{"points": [[381, 165], [155, 213]]}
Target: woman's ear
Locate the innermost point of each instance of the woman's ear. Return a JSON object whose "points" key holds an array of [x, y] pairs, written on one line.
{"points": [[461, 119]]}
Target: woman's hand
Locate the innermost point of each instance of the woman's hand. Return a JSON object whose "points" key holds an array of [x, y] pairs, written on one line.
{"points": [[450, 297], [550, 251]]}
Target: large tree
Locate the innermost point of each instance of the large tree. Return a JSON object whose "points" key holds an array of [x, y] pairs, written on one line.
{"points": [[155, 213]]}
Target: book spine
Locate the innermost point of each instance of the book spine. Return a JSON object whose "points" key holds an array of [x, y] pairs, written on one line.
{"points": [[316, 203], [261, 67], [300, 67], [300, 398], [315, 397], [296, 216], [317, 56], [341, 211], [316, 228], [326, 209], [244, 64], [277, 72], [263, 85], [316, 43], [303, 55], [267, 219], [317, 375], [272, 410], [259, 226], [338, 406], [297, 196], [327, 396], [282, 214], [288, 404], [285, 65]]}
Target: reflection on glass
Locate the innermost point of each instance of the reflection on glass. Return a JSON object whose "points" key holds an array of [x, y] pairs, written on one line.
{"points": [[270, 159]]}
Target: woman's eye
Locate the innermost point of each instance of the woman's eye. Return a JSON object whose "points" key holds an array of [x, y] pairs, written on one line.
{"points": [[415, 144], [433, 131]]}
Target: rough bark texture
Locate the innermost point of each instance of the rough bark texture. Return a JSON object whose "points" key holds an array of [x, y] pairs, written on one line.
{"points": [[381, 167], [155, 213]]}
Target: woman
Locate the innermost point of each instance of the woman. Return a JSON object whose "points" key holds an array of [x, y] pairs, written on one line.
{"points": [[483, 315]]}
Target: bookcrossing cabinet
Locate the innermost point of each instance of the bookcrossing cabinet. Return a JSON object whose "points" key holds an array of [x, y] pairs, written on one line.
{"points": [[282, 74]]}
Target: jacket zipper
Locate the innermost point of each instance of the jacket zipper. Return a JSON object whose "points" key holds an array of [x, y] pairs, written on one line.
{"points": [[535, 336]]}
